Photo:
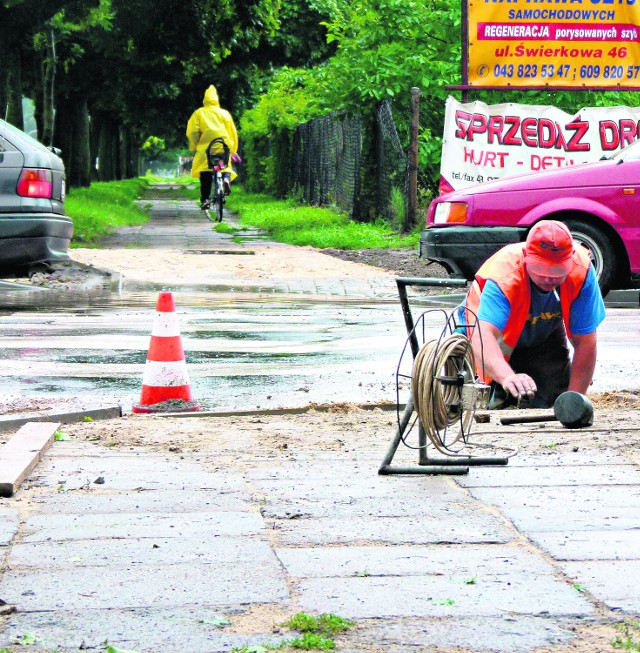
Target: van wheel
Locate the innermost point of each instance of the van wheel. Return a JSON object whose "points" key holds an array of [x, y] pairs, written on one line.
{"points": [[603, 255]]}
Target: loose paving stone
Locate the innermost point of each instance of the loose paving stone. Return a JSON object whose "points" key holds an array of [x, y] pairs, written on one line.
{"points": [[615, 582], [160, 586], [184, 525], [515, 634], [590, 545], [559, 509], [196, 629]]}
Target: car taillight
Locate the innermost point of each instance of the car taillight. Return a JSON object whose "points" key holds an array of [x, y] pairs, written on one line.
{"points": [[35, 182], [450, 212]]}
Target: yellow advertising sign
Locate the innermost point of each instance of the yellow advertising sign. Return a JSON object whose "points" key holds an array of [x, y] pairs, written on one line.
{"points": [[573, 43]]}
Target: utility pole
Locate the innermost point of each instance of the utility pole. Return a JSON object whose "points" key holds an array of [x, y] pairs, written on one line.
{"points": [[412, 200]]}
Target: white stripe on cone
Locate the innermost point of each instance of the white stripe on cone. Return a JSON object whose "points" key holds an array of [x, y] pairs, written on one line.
{"points": [[165, 374], [165, 325]]}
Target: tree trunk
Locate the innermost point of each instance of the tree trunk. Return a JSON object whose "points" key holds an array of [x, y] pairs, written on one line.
{"points": [[72, 137], [123, 152], [63, 130], [82, 145], [107, 151], [48, 87]]}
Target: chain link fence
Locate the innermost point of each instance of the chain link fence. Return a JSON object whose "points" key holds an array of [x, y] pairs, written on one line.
{"points": [[360, 163]]}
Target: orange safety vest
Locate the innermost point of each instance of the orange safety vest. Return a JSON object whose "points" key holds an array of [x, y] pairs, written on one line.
{"points": [[506, 268]]}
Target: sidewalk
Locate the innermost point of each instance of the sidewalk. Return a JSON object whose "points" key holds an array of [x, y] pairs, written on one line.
{"points": [[150, 548]]}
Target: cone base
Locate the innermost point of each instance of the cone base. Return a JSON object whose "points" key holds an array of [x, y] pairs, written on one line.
{"points": [[169, 406]]}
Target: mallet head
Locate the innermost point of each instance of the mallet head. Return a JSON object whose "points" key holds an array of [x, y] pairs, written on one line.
{"points": [[573, 410]]}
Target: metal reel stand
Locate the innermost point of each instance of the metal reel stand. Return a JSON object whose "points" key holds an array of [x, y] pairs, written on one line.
{"points": [[450, 384]]}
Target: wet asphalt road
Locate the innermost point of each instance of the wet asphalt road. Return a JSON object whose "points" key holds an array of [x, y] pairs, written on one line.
{"points": [[267, 346]]}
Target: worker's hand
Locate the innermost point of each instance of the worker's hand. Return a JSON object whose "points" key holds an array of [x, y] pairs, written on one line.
{"points": [[519, 385]]}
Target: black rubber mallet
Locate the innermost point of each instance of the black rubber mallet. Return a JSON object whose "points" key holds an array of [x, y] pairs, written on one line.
{"points": [[572, 409]]}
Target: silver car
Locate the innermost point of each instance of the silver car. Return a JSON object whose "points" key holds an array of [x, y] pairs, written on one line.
{"points": [[34, 229]]}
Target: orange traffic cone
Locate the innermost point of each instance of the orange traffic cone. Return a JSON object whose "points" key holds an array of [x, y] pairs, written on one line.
{"points": [[165, 383]]}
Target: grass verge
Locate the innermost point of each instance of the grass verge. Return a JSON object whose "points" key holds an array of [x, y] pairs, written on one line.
{"points": [[288, 222], [104, 206]]}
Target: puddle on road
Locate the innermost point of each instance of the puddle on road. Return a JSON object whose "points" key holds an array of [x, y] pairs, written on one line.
{"points": [[242, 352]]}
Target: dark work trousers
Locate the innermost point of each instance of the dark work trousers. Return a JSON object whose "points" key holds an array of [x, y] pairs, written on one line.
{"points": [[206, 180], [547, 364]]}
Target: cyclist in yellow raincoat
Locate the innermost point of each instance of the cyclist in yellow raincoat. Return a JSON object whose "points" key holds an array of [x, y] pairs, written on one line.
{"points": [[206, 123]]}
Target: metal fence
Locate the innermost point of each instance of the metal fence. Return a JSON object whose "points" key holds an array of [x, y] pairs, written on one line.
{"points": [[356, 163]]}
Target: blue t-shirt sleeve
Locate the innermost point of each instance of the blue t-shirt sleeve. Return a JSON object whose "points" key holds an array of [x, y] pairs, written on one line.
{"points": [[494, 306], [587, 311]]}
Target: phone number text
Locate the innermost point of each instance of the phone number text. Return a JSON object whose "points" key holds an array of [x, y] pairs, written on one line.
{"points": [[565, 71]]}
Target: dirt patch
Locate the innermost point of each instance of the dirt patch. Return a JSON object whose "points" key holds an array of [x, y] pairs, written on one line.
{"points": [[344, 426], [400, 262]]}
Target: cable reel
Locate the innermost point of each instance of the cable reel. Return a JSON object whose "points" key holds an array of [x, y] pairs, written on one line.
{"points": [[444, 392], [444, 387]]}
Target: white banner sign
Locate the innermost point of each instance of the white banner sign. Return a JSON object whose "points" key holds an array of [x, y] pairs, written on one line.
{"points": [[484, 142]]}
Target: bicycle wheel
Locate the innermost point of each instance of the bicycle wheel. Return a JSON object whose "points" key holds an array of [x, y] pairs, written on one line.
{"points": [[208, 210], [219, 200]]}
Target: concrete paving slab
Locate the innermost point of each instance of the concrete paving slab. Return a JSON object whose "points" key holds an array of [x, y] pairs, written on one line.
{"points": [[558, 458], [132, 472], [360, 466], [144, 630], [345, 486], [615, 582], [436, 510], [124, 525], [45, 501], [437, 596], [459, 526], [515, 634], [470, 564], [9, 520], [559, 509], [74, 554], [540, 475], [159, 586], [590, 545]]}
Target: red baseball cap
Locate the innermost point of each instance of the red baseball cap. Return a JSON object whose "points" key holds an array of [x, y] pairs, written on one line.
{"points": [[549, 249]]}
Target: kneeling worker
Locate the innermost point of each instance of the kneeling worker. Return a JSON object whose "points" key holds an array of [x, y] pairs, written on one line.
{"points": [[527, 298]]}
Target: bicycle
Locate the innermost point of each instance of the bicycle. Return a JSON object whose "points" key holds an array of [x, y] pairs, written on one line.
{"points": [[217, 162]]}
